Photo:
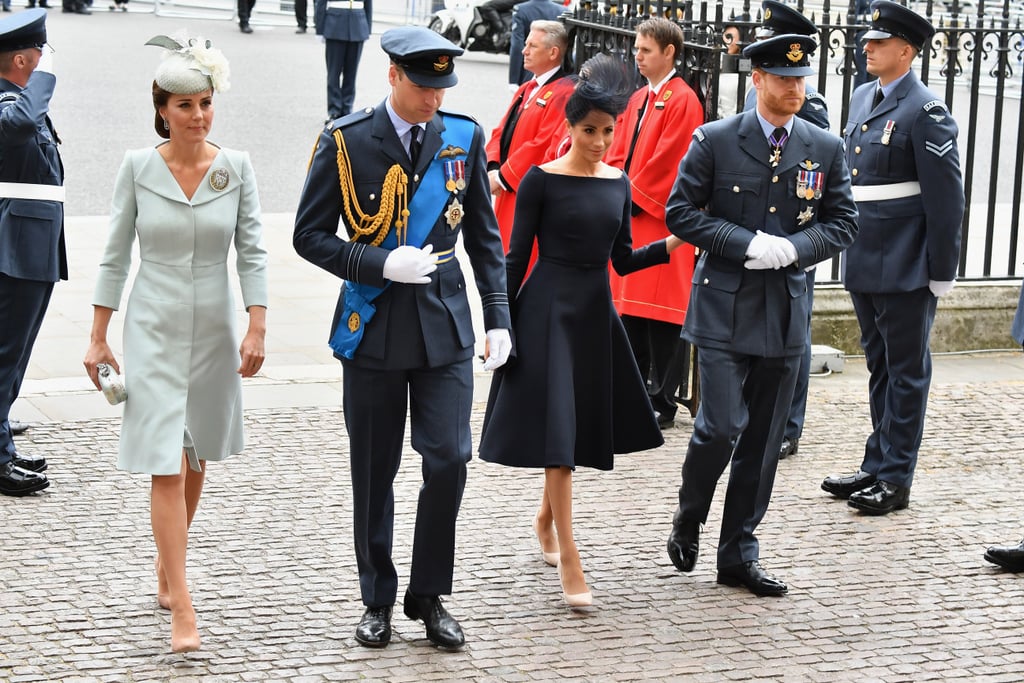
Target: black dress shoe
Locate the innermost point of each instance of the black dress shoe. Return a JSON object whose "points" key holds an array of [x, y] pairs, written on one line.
{"points": [[301, 29], [245, 28], [15, 481], [18, 427], [881, 499], [374, 629], [842, 486], [754, 577], [442, 629], [32, 463], [665, 421], [789, 447], [1009, 557], [684, 543]]}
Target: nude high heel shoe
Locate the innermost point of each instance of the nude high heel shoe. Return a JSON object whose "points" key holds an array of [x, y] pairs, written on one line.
{"points": [[575, 599], [550, 559]]}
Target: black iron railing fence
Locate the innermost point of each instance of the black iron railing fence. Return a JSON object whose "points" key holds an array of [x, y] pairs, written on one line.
{"points": [[974, 63]]}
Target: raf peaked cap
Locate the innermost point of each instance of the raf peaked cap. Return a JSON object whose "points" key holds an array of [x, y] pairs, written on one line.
{"points": [[23, 30], [892, 20], [785, 55], [426, 57], [779, 18]]}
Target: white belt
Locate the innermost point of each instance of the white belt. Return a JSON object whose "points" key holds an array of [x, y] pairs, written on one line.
{"points": [[877, 193], [344, 4], [51, 193]]}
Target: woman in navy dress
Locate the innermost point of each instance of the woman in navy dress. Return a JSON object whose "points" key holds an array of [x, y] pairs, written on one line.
{"points": [[573, 396]]}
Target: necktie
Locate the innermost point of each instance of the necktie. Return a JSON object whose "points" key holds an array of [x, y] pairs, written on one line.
{"points": [[530, 91], [777, 140], [879, 96], [414, 145], [636, 132]]}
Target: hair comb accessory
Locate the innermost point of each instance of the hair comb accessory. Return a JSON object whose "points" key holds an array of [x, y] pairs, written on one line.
{"points": [[190, 65]]}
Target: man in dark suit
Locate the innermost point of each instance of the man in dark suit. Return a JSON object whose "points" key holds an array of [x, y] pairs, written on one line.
{"points": [[345, 26], [764, 195], [779, 18], [902, 151], [524, 14], [32, 254], [1011, 557], [405, 180]]}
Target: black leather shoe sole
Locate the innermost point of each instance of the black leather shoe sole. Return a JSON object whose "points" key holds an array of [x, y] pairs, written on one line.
{"points": [[372, 642], [901, 503], [1005, 563], [26, 490]]}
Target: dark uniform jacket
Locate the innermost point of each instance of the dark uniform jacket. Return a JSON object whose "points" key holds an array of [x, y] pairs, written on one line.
{"points": [[904, 243], [726, 190], [343, 20], [415, 325], [31, 230], [524, 14]]}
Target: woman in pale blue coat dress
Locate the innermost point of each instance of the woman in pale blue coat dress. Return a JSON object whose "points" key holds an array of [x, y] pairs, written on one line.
{"points": [[187, 201]]}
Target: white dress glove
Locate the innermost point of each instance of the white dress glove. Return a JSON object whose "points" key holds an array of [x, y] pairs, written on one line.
{"points": [[941, 287], [499, 346], [410, 265], [759, 246], [46, 60], [769, 251]]}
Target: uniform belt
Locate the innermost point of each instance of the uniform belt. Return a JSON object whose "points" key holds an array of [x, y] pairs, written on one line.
{"points": [[344, 4], [444, 256], [878, 193], [51, 193]]}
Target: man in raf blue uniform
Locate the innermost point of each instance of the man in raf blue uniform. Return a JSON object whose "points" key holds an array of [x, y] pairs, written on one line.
{"points": [[405, 179], [345, 26], [32, 254], [902, 151], [524, 14], [764, 195], [780, 18]]}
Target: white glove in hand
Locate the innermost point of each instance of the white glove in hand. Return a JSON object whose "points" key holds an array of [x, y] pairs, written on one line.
{"points": [[410, 265], [759, 246], [941, 287], [499, 346], [789, 249], [46, 60]]}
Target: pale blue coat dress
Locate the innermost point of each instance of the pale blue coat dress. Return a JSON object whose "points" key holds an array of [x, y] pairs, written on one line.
{"points": [[180, 347]]}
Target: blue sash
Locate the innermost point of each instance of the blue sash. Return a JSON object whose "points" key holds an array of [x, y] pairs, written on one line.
{"points": [[424, 209]]}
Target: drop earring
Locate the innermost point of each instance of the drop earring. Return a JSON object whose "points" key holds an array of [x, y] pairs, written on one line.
{"points": [[167, 126]]}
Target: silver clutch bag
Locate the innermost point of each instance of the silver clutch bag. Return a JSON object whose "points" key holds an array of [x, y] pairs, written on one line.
{"points": [[111, 384]]}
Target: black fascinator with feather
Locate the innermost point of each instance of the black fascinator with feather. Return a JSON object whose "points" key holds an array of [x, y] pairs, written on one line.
{"points": [[603, 84]]}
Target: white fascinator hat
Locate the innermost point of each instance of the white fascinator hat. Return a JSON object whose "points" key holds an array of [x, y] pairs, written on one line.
{"points": [[190, 65]]}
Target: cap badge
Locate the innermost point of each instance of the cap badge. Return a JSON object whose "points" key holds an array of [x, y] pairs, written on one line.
{"points": [[219, 179], [875, 15], [768, 14], [441, 64], [795, 53]]}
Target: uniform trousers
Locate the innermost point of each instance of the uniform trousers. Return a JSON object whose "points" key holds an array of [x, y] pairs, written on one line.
{"points": [[342, 65], [895, 331], [657, 348], [439, 401], [743, 406], [22, 307], [797, 409]]}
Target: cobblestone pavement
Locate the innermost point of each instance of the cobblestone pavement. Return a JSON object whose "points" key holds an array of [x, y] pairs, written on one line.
{"points": [[906, 597]]}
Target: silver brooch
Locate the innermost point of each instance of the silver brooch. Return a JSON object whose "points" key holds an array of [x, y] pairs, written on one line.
{"points": [[219, 179]]}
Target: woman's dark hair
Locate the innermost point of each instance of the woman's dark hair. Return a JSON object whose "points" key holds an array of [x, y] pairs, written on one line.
{"points": [[160, 99], [604, 84]]}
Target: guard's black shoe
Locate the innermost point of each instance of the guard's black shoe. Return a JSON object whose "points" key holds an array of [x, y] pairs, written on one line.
{"points": [[753, 576], [14, 481], [684, 543], [842, 486], [1009, 557], [32, 463], [374, 629], [789, 447], [442, 629], [881, 498]]}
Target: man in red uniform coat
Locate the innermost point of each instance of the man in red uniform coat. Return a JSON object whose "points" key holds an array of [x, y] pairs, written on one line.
{"points": [[651, 136], [531, 129]]}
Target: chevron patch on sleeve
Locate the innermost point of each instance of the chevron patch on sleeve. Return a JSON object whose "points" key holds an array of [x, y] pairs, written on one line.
{"points": [[938, 149]]}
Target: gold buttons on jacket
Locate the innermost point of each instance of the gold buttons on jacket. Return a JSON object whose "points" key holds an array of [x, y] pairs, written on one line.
{"points": [[735, 188], [771, 209], [864, 127], [856, 150], [853, 172], [706, 281], [775, 178]]}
